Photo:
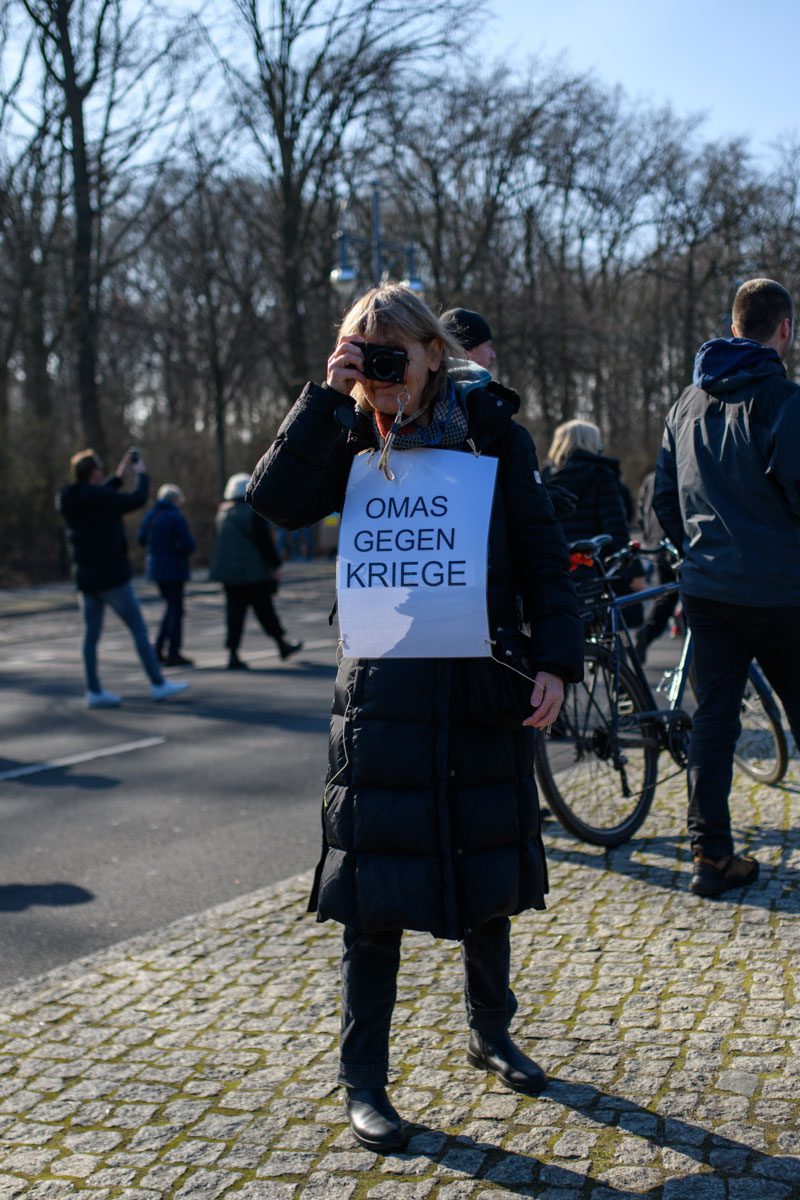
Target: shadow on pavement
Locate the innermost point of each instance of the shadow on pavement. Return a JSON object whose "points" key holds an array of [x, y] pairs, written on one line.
{"points": [[562, 847], [306, 670], [730, 1160], [56, 777], [16, 897], [254, 712]]}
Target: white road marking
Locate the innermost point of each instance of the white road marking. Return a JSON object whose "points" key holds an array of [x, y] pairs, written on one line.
{"points": [[71, 759]]}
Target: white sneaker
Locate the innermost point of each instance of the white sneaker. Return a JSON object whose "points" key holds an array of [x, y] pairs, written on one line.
{"points": [[103, 699], [170, 687]]}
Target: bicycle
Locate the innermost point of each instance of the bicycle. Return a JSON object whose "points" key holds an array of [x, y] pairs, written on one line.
{"points": [[598, 767]]}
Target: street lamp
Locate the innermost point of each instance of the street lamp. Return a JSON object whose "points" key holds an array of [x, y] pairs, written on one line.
{"points": [[344, 277]]}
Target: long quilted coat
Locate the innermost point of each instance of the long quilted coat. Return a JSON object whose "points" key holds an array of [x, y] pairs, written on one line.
{"points": [[430, 813]]}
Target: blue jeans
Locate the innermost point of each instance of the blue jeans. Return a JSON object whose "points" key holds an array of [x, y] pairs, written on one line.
{"points": [[369, 988], [725, 638], [124, 603]]}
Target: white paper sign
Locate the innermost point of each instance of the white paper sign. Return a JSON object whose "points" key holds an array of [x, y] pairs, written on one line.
{"points": [[411, 571]]}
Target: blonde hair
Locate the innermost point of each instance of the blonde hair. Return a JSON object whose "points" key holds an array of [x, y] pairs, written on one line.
{"points": [[574, 435], [392, 312], [171, 492]]}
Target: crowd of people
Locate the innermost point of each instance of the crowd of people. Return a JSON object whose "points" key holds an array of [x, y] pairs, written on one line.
{"points": [[430, 811], [245, 562]]}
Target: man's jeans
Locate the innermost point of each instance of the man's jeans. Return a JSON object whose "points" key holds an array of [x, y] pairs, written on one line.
{"points": [[725, 638], [124, 603], [369, 988]]}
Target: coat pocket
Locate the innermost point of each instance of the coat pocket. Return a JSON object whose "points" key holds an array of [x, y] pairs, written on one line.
{"points": [[499, 688]]}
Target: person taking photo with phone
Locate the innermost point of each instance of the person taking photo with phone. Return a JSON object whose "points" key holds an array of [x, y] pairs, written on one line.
{"points": [[93, 508]]}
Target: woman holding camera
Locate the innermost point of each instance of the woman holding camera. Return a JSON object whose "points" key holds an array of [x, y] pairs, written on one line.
{"points": [[430, 813]]}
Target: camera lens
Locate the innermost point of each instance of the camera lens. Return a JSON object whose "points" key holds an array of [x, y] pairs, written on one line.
{"points": [[384, 366]]}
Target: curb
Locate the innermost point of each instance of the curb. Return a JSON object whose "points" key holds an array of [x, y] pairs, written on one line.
{"points": [[282, 894]]}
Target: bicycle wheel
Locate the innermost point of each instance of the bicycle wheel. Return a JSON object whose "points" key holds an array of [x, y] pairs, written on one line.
{"points": [[600, 784], [761, 750]]}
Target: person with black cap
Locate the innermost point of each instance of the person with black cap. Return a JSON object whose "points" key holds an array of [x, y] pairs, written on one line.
{"points": [[473, 332]]}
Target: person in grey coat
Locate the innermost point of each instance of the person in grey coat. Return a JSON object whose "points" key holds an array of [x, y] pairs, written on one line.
{"points": [[246, 563]]}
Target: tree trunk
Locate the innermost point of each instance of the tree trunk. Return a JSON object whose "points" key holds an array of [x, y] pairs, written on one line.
{"points": [[84, 318]]}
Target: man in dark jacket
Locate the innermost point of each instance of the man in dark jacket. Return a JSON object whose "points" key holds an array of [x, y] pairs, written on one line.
{"points": [[472, 331], [93, 511], [728, 494]]}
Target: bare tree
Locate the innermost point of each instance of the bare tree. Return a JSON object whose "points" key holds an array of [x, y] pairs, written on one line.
{"points": [[319, 70], [114, 69]]}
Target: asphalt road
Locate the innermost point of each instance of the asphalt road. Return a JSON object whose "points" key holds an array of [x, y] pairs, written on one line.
{"points": [[177, 806], [173, 807]]}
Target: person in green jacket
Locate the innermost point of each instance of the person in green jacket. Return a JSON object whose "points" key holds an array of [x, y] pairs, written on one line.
{"points": [[246, 563]]}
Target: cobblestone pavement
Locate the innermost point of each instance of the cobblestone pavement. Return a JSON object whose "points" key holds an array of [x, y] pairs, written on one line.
{"points": [[200, 1061]]}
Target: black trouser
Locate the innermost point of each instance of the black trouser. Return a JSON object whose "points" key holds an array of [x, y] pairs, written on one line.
{"points": [[258, 596], [369, 988], [661, 611], [171, 631], [725, 638]]}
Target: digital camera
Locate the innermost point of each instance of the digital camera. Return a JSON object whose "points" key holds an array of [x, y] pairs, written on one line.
{"points": [[384, 364]]}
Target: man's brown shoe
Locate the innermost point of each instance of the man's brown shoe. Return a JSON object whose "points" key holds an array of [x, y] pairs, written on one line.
{"points": [[713, 877]]}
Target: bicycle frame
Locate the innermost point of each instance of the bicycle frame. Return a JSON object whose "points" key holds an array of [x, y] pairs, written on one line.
{"points": [[674, 712], [619, 635], [600, 769]]}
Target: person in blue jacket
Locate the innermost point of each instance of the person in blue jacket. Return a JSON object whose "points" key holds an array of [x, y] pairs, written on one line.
{"points": [[727, 493], [166, 534]]}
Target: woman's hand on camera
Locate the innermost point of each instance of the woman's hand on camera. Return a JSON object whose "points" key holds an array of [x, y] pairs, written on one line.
{"points": [[546, 700], [346, 364]]}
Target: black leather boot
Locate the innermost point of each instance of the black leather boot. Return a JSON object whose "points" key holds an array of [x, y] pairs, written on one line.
{"points": [[505, 1060], [286, 649], [374, 1122]]}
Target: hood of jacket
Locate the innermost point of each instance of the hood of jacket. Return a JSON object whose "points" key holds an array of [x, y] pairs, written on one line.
{"points": [[728, 364], [466, 376], [585, 460], [489, 405]]}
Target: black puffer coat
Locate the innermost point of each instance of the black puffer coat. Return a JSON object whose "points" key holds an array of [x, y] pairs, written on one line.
{"points": [[430, 814], [595, 480]]}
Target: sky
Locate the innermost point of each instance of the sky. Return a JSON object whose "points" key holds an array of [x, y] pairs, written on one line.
{"points": [[707, 56]]}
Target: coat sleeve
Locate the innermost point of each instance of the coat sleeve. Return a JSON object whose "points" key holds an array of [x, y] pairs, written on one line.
{"points": [[109, 498], [303, 476], [541, 561], [144, 528], [184, 541], [262, 536], [783, 465], [666, 499]]}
